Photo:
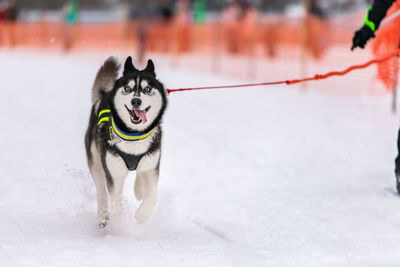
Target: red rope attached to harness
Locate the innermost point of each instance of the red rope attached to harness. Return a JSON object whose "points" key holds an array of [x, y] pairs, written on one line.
{"points": [[289, 82]]}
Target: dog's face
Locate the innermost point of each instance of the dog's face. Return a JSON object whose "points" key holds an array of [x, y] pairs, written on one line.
{"points": [[139, 98]]}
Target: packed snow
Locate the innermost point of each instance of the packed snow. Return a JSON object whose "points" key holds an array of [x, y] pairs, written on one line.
{"points": [[249, 177]]}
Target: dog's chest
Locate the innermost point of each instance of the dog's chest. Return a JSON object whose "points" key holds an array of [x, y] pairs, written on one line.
{"points": [[136, 147]]}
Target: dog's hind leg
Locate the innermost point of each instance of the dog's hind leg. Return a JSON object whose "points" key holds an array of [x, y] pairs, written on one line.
{"points": [[99, 177], [147, 179]]}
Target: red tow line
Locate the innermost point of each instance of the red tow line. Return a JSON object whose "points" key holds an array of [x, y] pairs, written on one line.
{"points": [[289, 82]]}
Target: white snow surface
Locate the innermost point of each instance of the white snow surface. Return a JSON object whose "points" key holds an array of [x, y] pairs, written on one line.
{"points": [[266, 176]]}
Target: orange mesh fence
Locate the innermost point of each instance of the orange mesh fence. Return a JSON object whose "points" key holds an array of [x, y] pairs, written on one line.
{"points": [[386, 42]]}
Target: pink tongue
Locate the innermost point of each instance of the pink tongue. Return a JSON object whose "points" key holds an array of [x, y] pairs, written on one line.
{"points": [[141, 114]]}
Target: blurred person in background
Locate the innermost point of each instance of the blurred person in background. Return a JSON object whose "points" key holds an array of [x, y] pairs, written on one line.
{"points": [[199, 11], [142, 13], [182, 21], [240, 19], [372, 20], [8, 17], [8, 10], [70, 14], [245, 6], [230, 18], [161, 32], [316, 29], [165, 11], [315, 9], [248, 25]]}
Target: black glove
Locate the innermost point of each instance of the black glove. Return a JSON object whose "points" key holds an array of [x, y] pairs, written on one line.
{"points": [[362, 36]]}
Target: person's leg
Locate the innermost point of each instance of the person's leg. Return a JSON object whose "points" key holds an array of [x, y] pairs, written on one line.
{"points": [[397, 162], [142, 42]]}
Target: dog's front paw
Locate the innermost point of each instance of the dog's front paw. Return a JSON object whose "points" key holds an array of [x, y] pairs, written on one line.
{"points": [[102, 219], [143, 213], [102, 224]]}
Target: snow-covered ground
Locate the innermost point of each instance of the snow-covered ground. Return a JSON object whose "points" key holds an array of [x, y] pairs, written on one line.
{"points": [[249, 176]]}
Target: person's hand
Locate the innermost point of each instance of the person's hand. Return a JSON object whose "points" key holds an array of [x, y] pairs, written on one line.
{"points": [[362, 36]]}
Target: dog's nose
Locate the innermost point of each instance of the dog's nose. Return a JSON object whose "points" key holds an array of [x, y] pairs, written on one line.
{"points": [[136, 102]]}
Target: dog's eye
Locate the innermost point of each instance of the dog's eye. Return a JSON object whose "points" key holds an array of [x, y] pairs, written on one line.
{"points": [[147, 90], [128, 89]]}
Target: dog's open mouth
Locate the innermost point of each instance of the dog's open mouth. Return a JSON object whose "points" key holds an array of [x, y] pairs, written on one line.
{"points": [[137, 115]]}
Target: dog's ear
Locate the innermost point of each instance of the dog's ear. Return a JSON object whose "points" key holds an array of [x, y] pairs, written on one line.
{"points": [[150, 67], [128, 67]]}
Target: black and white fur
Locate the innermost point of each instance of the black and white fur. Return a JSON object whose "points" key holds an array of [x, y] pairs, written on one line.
{"points": [[106, 166]]}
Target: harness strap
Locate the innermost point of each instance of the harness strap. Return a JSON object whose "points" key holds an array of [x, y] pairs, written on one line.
{"points": [[105, 116], [131, 161]]}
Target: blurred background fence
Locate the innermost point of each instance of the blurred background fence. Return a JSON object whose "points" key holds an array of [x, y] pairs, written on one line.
{"points": [[255, 33], [247, 39]]}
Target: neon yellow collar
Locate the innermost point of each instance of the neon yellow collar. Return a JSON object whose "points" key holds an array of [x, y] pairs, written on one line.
{"points": [[105, 116], [128, 136]]}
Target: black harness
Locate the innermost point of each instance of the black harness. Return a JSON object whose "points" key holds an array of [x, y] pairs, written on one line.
{"points": [[131, 161]]}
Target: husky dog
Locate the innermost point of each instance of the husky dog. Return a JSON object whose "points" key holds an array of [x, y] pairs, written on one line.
{"points": [[124, 134]]}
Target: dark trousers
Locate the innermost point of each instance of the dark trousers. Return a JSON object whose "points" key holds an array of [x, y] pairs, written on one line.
{"points": [[397, 161]]}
